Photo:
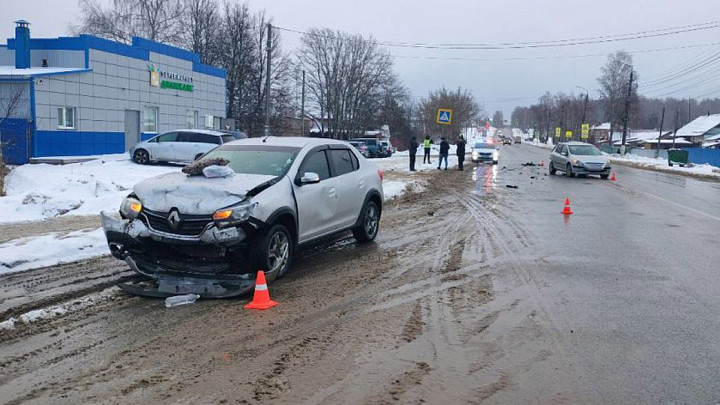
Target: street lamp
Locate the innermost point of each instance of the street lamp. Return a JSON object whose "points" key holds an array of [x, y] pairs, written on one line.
{"points": [[627, 109]]}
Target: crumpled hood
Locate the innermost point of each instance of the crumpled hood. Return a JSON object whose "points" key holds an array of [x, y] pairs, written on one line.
{"points": [[195, 195]]}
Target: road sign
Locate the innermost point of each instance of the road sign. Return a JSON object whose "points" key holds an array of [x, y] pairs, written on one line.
{"points": [[568, 134], [444, 116], [585, 131], [558, 131]]}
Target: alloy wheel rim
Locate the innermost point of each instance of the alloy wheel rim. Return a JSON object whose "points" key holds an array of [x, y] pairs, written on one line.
{"points": [[371, 221], [142, 157], [278, 251]]}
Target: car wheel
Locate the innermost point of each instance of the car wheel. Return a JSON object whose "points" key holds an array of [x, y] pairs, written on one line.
{"points": [[369, 225], [604, 176], [495, 162], [273, 252], [141, 156], [568, 171], [551, 168]]}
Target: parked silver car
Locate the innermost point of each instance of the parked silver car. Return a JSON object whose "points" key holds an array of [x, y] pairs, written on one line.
{"points": [[209, 236], [484, 152], [579, 158], [183, 145]]}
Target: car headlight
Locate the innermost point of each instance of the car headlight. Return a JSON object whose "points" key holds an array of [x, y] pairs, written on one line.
{"points": [[130, 208], [576, 162], [234, 215]]}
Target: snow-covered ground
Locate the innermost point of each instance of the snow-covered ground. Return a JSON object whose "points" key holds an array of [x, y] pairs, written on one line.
{"points": [[396, 188], [662, 165], [42, 191], [50, 249]]}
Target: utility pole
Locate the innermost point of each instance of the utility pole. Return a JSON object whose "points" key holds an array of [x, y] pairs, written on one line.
{"points": [[677, 118], [689, 118], [662, 121], [302, 104], [585, 104], [627, 112], [267, 80]]}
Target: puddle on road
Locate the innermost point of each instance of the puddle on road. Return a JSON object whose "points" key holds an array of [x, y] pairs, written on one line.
{"points": [[485, 178]]}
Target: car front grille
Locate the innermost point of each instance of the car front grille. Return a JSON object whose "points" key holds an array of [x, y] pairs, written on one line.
{"points": [[189, 225], [595, 166]]}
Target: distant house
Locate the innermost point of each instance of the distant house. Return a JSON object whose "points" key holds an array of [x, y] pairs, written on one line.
{"points": [[701, 129], [667, 143], [635, 137]]}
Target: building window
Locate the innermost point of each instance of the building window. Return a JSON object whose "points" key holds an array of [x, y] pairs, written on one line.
{"points": [[66, 117], [150, 120], [191, 119]]}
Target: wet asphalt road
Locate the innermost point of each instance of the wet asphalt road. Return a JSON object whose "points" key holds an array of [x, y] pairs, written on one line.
{"points": [[625, 290]]}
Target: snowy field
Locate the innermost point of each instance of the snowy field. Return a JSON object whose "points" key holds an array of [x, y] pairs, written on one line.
{"points": [[662, 165], [41, 192]]}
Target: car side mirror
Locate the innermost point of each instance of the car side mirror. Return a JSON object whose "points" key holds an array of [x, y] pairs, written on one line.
{"points": [[564, 153], [310, 178]]}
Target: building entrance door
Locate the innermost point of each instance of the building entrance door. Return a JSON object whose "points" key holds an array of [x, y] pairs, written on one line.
{"points": [[132, 128]]}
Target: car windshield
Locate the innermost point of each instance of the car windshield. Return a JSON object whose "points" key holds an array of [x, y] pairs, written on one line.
{"points": [[253, 159], [483, 145], [588, 150]]}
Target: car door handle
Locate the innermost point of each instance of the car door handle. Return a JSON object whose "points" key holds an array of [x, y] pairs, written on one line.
{"points": [[332, 192]]}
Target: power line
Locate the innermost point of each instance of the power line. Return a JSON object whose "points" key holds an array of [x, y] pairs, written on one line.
{"points": [[540, 44], [698, 66]]}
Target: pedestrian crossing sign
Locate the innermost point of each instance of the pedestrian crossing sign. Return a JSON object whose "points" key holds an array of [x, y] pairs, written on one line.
{"points": [[558, 130], [568, 134], [444, 116], [585, 131]]}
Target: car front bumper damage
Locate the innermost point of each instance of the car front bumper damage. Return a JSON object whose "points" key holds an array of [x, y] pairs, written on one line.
{"points": [[180, 264]]}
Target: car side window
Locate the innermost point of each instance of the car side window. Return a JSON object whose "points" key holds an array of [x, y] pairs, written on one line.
{"points": [[168, 137], [355, 161], [564, 149], [558, 148], [227, 138], [185, 137], [316, 162], [342, 162]]}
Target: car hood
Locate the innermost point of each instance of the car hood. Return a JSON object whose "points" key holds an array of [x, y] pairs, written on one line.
{"points": [[483, 150], [195, 195]]}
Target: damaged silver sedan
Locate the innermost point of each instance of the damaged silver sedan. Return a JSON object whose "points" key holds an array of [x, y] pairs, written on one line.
{"points": [[209, 234]]}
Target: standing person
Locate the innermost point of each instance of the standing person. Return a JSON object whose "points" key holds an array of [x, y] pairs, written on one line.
{"points": [[460, 152], [444, 151], [412, 151], [426, 145]]}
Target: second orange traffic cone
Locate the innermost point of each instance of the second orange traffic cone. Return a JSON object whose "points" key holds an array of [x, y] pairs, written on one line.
{"points": [[612, 176], [261, 298], [567, 210]]}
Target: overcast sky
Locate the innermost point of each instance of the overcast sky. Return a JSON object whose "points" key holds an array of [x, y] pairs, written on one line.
{"points": [[499, 79]]}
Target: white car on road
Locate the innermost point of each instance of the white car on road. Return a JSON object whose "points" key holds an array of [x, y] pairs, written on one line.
{"points": [[208, 236]]}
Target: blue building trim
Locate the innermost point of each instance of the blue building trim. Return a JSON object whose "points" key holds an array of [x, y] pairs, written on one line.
{"points": [[78, 143], [139, 49]]}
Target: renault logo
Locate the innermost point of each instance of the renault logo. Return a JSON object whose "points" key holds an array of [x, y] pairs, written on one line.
{"points": [[174, 220]]}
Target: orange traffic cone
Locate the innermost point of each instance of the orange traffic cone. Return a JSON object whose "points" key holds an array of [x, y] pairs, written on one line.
{"points": [[542, 163], [261, 298], [567, 210], [612, 176]]}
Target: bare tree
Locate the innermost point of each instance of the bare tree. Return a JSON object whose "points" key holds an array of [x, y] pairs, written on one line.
{"points": [[202, 21], [345, 73], [463, 106], [157, 20], [8, 107], [614, 83]]}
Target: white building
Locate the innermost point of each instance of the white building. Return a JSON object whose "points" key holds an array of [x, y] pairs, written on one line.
{"points": [[86, 95]]}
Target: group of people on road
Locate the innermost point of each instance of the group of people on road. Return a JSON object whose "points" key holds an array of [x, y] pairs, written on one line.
{"points": [[444, 151]]}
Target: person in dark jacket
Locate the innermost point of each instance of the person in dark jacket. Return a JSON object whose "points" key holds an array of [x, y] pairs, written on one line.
{"points": [[460, 152], [444, 151], [411, 152], [426, 145]]}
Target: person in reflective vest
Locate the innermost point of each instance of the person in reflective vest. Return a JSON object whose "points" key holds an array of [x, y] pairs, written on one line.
{"points": [[426, 145]]}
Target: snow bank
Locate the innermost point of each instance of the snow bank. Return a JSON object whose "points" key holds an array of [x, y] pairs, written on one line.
{"points": [[62, 309], [36, 192], [396, 188], [54, 248], [661, 164]]}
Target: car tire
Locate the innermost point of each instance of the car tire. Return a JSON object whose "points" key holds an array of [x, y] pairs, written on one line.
{"points": [[495, 162], [272, 248], [552, 168], [604, 176], [568, 171], [141, 157], [369, 223]]}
